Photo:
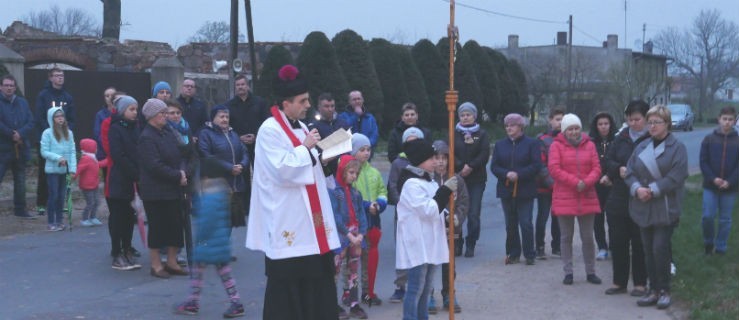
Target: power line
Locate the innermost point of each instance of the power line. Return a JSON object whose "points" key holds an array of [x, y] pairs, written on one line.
{"points": [[505, 14], [587, 34]]}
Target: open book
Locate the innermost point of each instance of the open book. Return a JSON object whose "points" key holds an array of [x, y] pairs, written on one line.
{"points": [[336, 144]]}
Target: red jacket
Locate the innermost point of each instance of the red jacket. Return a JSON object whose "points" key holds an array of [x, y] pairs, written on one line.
{"points": [[568, 165], [88, 168]]}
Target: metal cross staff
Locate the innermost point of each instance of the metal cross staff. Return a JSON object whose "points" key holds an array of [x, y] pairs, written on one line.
{"points": [[451, 104]]}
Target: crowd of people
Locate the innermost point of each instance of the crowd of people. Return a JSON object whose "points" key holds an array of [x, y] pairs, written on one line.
{"points": [[317, 219]]}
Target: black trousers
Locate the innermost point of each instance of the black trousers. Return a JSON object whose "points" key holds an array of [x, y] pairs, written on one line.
{"points": [[627, 253], [301, 288], [599, 228], [42, 189], [120, 225], [658, 256]]}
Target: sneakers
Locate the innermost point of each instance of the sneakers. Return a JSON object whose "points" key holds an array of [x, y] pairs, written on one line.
{"points": [[131, 260], [95, 221], [432, 304], [134, 252], [346, 299], [61, 227], [234, 310], [592, 278], [41, 210], [86, 223], [540, 254], [530, 261], [191, 308], [602, 255], [52, 228], [556, 252], [648, 300], [26, 216], [664, 300], [470, 251], [357, 312], [398, 295], [512, 260], [342, 313], [568, 280], [445, 300], [371, 300], [120, 263]]}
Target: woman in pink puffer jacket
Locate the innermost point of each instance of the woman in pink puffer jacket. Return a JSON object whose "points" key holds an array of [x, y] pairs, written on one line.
{"points": [[575, 168]]}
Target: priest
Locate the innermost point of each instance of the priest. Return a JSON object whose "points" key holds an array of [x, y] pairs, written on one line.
{"points": [[291, 219]]}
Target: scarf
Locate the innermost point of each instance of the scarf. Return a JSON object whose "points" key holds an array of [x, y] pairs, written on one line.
{"points": [[91, 155], [313, 199], [467, 130], [181, 129], [635, 135]]}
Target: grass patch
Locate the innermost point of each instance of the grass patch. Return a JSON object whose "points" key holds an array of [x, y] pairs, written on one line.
{"points": [[707, 285]]}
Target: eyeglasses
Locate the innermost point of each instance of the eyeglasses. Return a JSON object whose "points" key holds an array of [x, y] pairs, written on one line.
{"points": [[188, 86], [655, 123], [174, 112]]}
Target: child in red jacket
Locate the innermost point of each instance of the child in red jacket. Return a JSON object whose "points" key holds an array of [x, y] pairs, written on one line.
{"points": [[88, 173]]}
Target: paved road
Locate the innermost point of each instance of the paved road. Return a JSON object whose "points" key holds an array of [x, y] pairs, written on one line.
{"points": [[67, 275], [692, 140]]}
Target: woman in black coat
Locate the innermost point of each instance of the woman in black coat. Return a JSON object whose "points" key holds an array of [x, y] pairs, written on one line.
{"points": [[602, 133], [123, 172], [161, 187]]}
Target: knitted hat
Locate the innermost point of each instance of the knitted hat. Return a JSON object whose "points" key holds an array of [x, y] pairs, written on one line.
{"points": [[88, 145], [418, 151], [289, 82], [152, 107], [123, 102], [159, 86], [358, 141], [468, 107], [514, 119], [440, 147], [412, 131], [569, 120], [216, 109]]}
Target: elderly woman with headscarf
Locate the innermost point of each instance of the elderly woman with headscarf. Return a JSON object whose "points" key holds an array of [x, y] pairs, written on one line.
{"points": [[471, 153], [516, 161], [219, 141], [161, 187], [575, 168], [655, 175]]}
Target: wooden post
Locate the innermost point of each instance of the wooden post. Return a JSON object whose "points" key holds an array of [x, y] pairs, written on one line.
{"points": [[451, 104]]}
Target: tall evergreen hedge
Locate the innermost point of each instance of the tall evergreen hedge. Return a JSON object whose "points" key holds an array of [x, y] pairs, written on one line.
{"points": [[415, 85], [465, 79], [318, 64], [393, 84], [487, 77], [355, 60], [277, 57], [435, 72]]}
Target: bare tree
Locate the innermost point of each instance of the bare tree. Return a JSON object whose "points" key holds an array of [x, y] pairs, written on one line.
{"points": [[708, 52], [212, 31], [69, 22], [111, 19]]}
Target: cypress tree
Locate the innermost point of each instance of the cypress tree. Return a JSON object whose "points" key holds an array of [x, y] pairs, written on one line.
{"points": [[394, 89], [359, 71], [318, 64], [277, 57], [465, 79], [519, 80], [487, 77], [415, 85], [435, 72], [510, 97]]}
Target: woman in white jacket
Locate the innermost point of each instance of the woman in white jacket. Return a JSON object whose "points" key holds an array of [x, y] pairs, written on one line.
{"points": [[421, 243]]}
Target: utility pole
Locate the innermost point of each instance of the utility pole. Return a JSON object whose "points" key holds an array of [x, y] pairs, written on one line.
{"points": [[569, 66], [626, 37], [234, 40], [250, 35], [643, 35]]}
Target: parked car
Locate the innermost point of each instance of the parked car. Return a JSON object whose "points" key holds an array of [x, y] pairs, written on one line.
{"points": [[682, 116]]}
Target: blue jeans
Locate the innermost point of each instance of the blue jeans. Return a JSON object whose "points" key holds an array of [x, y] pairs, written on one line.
{"points": [[415, 301], [57, 188], [723, 203], [518, 214], [18, 168], [475, 191]]}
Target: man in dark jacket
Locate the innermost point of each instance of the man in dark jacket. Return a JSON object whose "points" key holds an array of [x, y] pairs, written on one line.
{"points": [[544, 189], [16, 127], [359, 119], [247, 112], [53, 94], [409, 118], [193, 109], [327, 121]]}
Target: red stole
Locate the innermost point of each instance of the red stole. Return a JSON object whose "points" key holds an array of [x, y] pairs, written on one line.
{"points": [[313, 199]]}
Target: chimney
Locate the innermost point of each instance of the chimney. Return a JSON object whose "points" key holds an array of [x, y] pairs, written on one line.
{"points": [[612, 41], [513, 41], [648, 47], [561, 38]]}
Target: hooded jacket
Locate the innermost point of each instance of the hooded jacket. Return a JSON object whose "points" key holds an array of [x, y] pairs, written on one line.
{"points": [[15, 115], [618, 155], [88, 169], [343, 195], [53, 150], [48, 96], [568, 165], [719, 158], [123, 157], [370, 185], [212, 243]]}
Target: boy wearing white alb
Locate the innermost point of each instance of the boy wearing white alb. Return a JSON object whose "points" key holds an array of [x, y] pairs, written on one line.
{"points": [[421, 243]]}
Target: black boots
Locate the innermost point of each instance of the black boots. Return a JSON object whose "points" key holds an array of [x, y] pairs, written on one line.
{"points": [[470, 251]]}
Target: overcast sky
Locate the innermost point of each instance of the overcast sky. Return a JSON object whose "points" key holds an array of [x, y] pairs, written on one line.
{"points": [[402, 21]]}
